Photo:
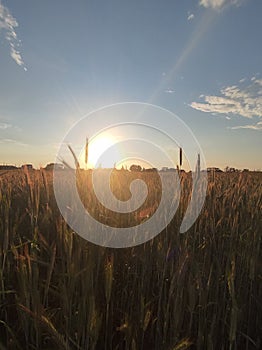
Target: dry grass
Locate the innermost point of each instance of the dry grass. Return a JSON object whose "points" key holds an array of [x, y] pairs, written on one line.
{"points": [[198, 290]]}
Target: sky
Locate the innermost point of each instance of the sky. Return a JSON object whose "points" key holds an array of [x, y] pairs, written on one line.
{"points": [[199, 59]]}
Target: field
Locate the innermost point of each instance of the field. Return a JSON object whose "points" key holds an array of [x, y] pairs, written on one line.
{"points": [[197, 290]]}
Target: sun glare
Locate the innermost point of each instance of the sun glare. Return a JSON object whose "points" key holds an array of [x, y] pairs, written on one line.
{"points": [[96, 148]]}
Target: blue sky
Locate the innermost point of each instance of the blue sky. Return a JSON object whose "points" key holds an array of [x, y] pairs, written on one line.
{"points": [[61, 59]]}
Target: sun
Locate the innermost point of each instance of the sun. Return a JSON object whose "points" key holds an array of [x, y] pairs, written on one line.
{"points": [[97, 146]]}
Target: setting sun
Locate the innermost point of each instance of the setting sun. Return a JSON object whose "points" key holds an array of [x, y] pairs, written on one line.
{"points": [[97, 146]]}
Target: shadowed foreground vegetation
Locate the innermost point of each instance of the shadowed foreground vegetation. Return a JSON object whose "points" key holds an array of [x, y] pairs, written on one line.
{"points": [[198, 290]]}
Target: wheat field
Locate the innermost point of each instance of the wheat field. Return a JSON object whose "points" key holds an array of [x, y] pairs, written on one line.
{"points": [[197, 290]]}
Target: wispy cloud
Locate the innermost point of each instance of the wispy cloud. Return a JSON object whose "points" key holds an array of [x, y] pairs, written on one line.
{"points": [[235, 100], [257, 126], [169, 91], [12, 142], [8, 25], [190, 16], [258, 81], [218, 4], [4, 126]]}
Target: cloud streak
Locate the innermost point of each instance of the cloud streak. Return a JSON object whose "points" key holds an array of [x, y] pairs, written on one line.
{"points": [[257, 126], [12, 142], [218, 4], [234, 100], [169, 91], [8, 25], [4, 126]]}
